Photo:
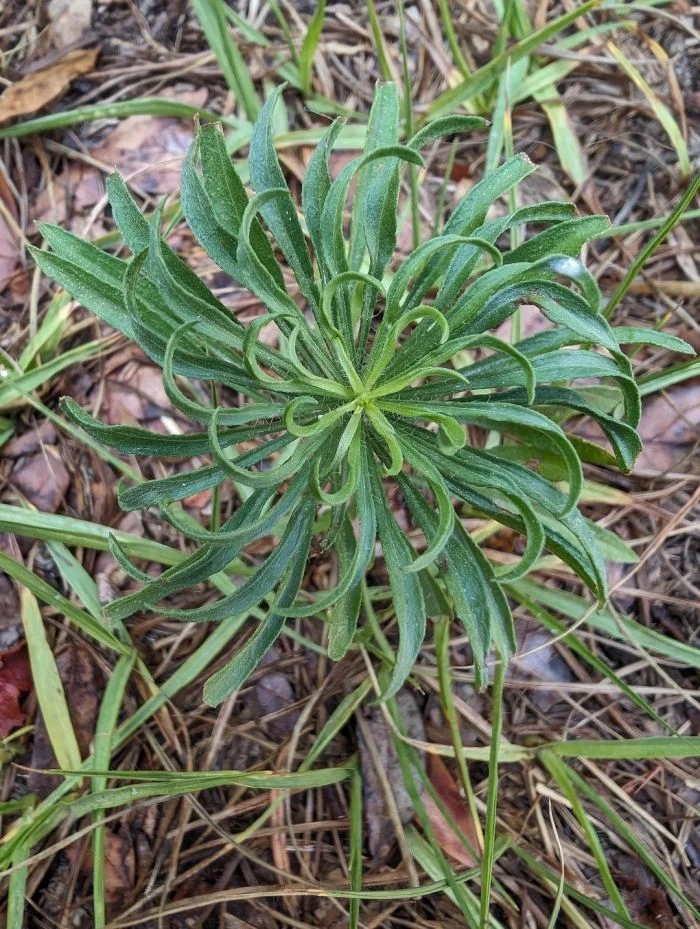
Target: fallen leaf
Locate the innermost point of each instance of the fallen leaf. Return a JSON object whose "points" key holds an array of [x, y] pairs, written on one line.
{"points": [[149, 150], [135, 395], [669, 427], [128, 855], [274, 693], [11, 629], [68, 20], [31, 440], [43, 479], [538, 660], [380, 828], [456, 806], [15, 680], [647, 900], [9, 253], [71, 197], [39, 88]]}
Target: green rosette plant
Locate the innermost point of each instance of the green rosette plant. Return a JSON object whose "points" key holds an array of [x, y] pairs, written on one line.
{"points": [[375, 382]]}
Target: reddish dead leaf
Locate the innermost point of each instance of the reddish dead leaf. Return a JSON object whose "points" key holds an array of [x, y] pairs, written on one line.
{"points": [[456, 806], [15, 680], [43, 479], [128, 855], [669, 428], [39, 88]]}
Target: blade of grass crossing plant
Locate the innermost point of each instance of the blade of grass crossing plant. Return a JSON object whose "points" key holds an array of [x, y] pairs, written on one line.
{"points": [[47, 685], [559, 771], [442, 653], [680, 746], [655, 381], [489, 854], [70, 531], [77, 579], [310, 44], [102, 753], [143, 106], [16, 890], [212, 19], [356, 837], [458, 57], [661, 111], [645, 254], [380, 44], [39, 588]]}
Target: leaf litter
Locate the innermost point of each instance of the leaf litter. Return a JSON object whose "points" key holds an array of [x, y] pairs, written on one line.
{"points": [[46, 85]]}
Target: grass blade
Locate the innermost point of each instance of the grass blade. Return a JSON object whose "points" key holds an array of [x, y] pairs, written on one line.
{"points": [[47, 684]]}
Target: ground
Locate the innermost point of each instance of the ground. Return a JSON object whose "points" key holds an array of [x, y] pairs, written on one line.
{"points": [[595, 840]]}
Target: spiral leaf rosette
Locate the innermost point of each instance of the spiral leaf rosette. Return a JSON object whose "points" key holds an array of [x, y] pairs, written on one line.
{"points": [[381, 365]]}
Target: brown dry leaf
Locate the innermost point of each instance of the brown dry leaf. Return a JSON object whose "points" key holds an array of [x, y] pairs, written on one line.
{"points": [[669, 428], [456, 806], [31, 440], [71, 197], [538, 660], [69, 19], [647, 901], [134, 395], [43, 479], [39, 88], [380, 828], [150, 149], [274, 693], [9, 254]]}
